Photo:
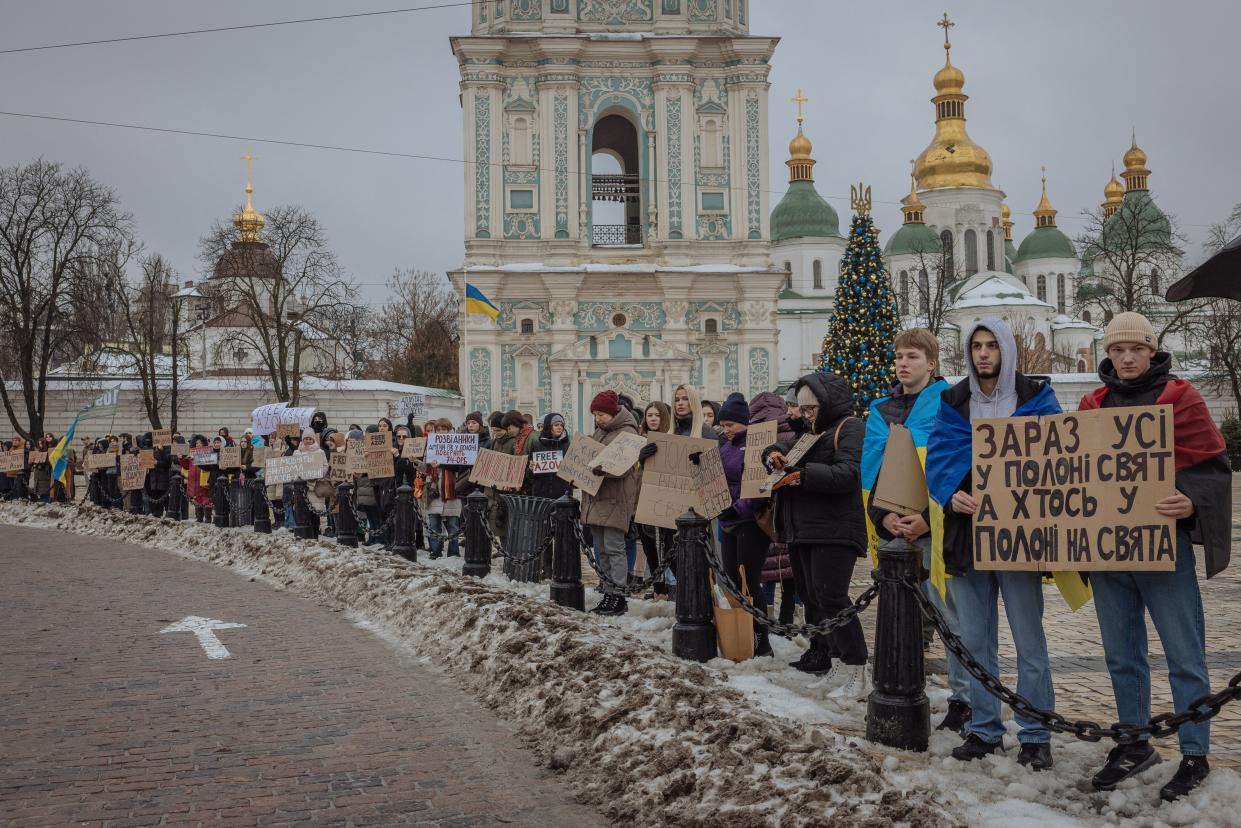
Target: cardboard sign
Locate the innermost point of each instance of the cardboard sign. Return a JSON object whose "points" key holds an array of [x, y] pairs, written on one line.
{"points": [[12, 461], [146, 459], [38, 457], [301, 465], [546, 462], [265, 418], [576, 466], [711, 485], [452, 449], [1075, 491], [288, 430], [668, 489], [337, 467], [415, 404], [901, 487], [180, 449], [413, 448], [621, 454], [794, 457], [493, 468], [205, 456], [97, 462], [379, 464], [355, 458], [161, 437], [377, 441], [230, 457], [133, 476], [258, 456], [757, 438]]}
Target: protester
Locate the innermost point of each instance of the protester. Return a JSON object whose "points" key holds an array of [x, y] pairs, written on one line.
{"points": [[657, 541], [744, 545], [553, 437], [818, 513], [367, 497], [913, 402], [316, 504], [778, 566], [157, 478], [790, 403], [609, 512], [711, 414], [41, 474], [444, 506], [198, 482], [993, 388], [1136, 373]]}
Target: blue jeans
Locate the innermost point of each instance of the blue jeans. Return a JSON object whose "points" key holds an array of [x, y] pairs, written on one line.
{"points": [[1121, 602], [975, 595], [449, 525]]}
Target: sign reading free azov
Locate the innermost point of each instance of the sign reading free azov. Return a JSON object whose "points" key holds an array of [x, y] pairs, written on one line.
{"points": [[1075, 491]]}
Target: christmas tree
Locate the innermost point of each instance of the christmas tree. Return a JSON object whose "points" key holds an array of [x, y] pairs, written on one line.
{"points": [[858, 345]]}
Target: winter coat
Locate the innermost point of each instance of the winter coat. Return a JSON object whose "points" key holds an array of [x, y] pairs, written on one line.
{"points": [[826, 508], [681, 428], [614, 505], [779, 564], [196, 483], [732, 457], [768, 407], [41, 479], [549, 485]]}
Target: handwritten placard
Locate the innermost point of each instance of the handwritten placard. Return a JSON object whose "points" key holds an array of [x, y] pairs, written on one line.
{"points": [[258, 456], [146, 459], [301, 465], [205, 456], [758, 437], [710, 484], [546, 462], [377, 441], [621, 454], [284, 430], [180, 449], [230, 457], [493, 468], [668, 488], [12, 461], [576, 465], [448, 448], [133, 476], [38, 457], [355, 458], [338, 471], [97, 462], [379, 464], [794, 456], [412, 404], [414, 448], [161, 437]]}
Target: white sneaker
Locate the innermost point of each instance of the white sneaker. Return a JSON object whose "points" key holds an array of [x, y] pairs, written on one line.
{"points": [[832, 679], [856, 684]]}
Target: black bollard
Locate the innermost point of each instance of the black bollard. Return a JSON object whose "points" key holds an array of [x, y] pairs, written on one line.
{"points": [[262, 514], [175, 493], [244, 502], [135, 502], [404, 524], [693, 636], [567, 588], [897, 713], [301, 512], [477, 547], [219, 501], [346, 521]]}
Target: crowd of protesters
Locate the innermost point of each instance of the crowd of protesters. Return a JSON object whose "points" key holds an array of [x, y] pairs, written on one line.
{"points": [[806, 539]]}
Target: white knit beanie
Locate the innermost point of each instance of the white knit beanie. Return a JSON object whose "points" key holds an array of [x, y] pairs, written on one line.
{"points": [[1129, 327]]}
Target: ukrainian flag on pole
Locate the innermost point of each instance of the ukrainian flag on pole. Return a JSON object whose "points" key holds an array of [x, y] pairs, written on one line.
{"points": [[477, 302], [102, 406]]}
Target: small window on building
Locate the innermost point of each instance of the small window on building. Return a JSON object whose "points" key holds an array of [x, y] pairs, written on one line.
{"points": [[520, 142], [903, 298], [818, 274], [711, 327], [1060, 291], [788, 267], [521, 199], [527, 326], [1085, 316], [924, 295], [712, 144], [713, 202], [971, 252], [945, 242], [990, 250], [1107, 315], [1155, 282], [1041, 289]]}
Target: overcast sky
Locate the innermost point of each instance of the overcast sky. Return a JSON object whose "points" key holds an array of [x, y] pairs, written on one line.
{"points": [[1054, 83]]}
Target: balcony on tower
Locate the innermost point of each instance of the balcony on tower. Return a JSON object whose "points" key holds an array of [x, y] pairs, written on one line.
{"points": [[616, 192]]}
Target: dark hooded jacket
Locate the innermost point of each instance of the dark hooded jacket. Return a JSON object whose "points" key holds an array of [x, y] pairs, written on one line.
{"points": [[550, 485], [826, 509]]}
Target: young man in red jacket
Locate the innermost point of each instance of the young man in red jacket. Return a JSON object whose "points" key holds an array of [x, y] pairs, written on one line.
{"points": [[1135, 373]]}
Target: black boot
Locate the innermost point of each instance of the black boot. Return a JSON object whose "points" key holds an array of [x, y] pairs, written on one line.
{"points": [[762, 646], [1035, 755], [1192, 772], [817, 661], [1124, 761], [975, 747], [958, 714]]}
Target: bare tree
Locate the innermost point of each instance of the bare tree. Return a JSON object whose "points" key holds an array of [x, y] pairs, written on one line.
{"points": [[1217, 328], [1033, 355], [54, 224], [415, 337], [279, 296], [930, 288]]}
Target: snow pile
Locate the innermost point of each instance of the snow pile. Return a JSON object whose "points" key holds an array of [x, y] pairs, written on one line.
{"points": [[650, 739]]}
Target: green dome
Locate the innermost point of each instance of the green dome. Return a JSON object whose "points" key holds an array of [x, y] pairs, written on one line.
{"points": [[1138, 213], [1045, 243], [803, 213], [914, 237]]}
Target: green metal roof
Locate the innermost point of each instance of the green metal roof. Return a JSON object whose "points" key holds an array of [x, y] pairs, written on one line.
{"points": [[1138, 215], [1045, 243], [913, 238], [803, 213]]}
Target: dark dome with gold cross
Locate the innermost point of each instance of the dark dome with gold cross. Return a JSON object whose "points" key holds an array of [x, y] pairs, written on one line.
{"points": [[249, 256]]}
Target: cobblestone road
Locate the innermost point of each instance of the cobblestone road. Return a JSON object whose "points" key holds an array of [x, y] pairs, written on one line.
{"points": [[105, 721]]}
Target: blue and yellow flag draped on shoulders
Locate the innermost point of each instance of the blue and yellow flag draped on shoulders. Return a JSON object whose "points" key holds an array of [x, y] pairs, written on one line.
{"points": [[949, 456], [919, 421], [477, 302]]}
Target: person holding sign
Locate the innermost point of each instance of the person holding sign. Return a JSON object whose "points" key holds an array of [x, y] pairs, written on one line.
{"points": [[656, 419], [1136, 374], [913, 403], [992, 388], [198, 481], [818, 513], [553, 440], [443, 493], [609, 512]]}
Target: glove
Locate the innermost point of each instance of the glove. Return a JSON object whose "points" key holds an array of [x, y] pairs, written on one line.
{"points": [[598, 471], [728, 514], [696, 458], [791, 479], [647, 452], [774, 459]]}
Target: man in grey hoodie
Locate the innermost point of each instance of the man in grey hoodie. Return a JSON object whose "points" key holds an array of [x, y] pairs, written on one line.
{"points": [[993, 388]]}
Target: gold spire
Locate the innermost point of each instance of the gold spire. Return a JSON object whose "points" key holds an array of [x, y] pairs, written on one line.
{"points": [[800, 164], [912, 206], [1044, 213], [249, 222], [952, 159], [1006, 220], [1135, 173], [1113, 195]]}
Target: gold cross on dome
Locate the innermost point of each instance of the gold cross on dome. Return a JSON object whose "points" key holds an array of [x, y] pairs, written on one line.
{"points": [[946, 24], [248, 158], [800, 100]]}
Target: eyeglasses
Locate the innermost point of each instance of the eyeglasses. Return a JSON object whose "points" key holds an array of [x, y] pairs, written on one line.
{"points": [[809, 409]]}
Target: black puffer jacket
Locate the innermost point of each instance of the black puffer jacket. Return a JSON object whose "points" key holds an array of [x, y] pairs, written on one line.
{"points": [[826, 509], [550, 485]]}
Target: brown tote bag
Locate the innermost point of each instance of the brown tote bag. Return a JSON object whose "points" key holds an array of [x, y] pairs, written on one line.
{"points": [[734, 627]]}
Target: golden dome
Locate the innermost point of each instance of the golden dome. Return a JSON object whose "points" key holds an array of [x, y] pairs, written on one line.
{"points": [[1135, 173], [1044, 213], [1005, 213], [249, 222], [800, 164], [1134, 158], [911, 205], [950, 80], [800, 147], [1006, 221], [1114, 190]]}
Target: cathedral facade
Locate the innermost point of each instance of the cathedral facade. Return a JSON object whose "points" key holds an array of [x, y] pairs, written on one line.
{"points": [[616, 207]]}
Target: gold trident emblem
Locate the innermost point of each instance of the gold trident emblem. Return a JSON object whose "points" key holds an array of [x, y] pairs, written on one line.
{"points": [[859, 197]]}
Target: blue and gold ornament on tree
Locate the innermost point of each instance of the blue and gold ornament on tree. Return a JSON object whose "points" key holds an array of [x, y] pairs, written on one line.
{"points": [[858, 345]]}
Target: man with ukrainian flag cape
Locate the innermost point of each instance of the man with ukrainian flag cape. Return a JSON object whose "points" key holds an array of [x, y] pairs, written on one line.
{"points": [[992, 388], [913, 403]]}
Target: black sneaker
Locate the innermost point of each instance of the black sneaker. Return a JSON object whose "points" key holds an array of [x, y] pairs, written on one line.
{"points": [[1189, 775], [604, 607], [1035, 755], [975, 747], [1124, 761], [612, 605], [815, 662], [958, 714]]}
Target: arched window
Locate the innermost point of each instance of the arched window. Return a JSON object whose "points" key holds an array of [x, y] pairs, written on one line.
{"points": [[1041, 291], [971, 252], [1155, 281], [711, 327], [924, 294], [1107, 315], [712, 156], [527, 326], [903, 298], [990, 250], [945, 242], [1085, 316], [520, 142], [818, 274], [1060, 291], [788, 280]]}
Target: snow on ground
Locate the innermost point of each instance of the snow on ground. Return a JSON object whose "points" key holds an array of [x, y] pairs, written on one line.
{"points": [[648, 738]]}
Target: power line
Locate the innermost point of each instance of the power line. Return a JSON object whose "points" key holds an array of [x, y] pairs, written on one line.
{"points": [[240, 27], [405, 155]]}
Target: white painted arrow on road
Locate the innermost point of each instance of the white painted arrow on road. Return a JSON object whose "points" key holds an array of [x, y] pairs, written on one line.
{"points": [[204, 629]]}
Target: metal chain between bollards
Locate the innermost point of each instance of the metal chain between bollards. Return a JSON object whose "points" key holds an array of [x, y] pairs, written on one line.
{"points": [[1165, 724], [430, 533], [829, 625], [301, 492], [656, 577]]}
